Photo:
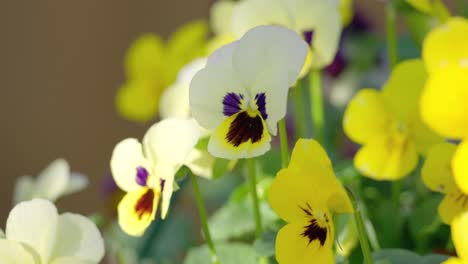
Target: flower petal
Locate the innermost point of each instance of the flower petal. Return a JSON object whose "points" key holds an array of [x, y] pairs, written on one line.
{"points": [[309, 150], [34, 223], [52, 181], [170, 141], [248, 14], [127, 157], [366, 116], [231, 141], [13, 252], [293, 248], [71, 260], [445, 46], [24, 189], [76, 183], [200, 163], [423, 137], [145, 57], [460, 166], [459, 237], [437, 172], [137, 210], [387, 157], [403, 89], [138, 99], [221, 17], [453, 205], [210, 85], [78, 237], [443, 103]]}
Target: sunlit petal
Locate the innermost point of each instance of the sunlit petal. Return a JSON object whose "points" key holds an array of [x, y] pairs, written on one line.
{"points": [[460, 166], [459, 237], [137, 210], [14, 252], [437, 173]]}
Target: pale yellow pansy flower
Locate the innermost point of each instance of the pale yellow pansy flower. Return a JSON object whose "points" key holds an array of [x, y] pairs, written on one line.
{"points": [[437, 175], [147, 171], [242, 92], [388, 125], [36, 234], [460, 239], [53, 182]]}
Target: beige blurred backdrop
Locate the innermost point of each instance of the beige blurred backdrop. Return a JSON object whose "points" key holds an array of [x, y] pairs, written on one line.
{"points": [[60, 66]]}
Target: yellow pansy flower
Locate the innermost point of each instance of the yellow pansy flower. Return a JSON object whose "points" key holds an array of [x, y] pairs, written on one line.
{"points": [[146, 171], [437, 175], [152, 65], [388, 125], [305, 195], [460, 239], [431, 7], [242, 92]]}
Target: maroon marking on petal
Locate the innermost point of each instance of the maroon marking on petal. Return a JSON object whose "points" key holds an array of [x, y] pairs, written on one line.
{"points": [[144, 205]]}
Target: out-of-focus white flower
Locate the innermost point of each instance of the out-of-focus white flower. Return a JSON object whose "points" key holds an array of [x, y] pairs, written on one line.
{"points": [[53, 182], [37, 234]]}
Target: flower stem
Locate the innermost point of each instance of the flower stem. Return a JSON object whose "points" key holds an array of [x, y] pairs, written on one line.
{"points": [[253, 190], [299, 109], [316, 105], [203, 219], [396, 191], [391, 14], [363, 239], [284, 143]]}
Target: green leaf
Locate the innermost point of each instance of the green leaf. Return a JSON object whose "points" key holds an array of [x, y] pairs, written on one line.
{"points": [[402, 256], [229, 253], [424, 219], [265, 246], [389, 235], [182, 173], [220, 168]]}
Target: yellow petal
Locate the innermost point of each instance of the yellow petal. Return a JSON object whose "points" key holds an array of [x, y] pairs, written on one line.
{"points": [[443, 103], [422, 5], [138, 100], [445, 46], [459, 235], [454, 261], [309, 150], [241, 144], [293, 248], [453, 205], [437, 172], [346, 10], [460, 166], [403, 89], [145, 58], [388, 157], [137, 210], [423, 137], [366, 116]]}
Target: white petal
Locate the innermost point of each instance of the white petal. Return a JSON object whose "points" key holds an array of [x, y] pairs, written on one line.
{"points": [[175, 101], [78, 237], [187, 73], [168, 142], [323, 17], [269, 60], [2, 234], [248, 14], [200, 163], [52, 181], [71, 260], [168, 176], [126, 158], [12, 252], [24, 189], [210, 85], [76, 183], [221, 17], [34, 223]]}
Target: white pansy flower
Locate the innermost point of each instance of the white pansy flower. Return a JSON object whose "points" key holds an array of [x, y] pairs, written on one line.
{"points": [[146, 171], [242, 92], [37, 234], [53, 182]]}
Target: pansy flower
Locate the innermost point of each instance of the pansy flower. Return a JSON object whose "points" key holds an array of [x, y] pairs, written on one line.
{"points": [[242, 92], [437, 175], [443, 103], [151, 65], [306, 194], [460, 239], [146, 171], [388, 125], [36, 234], [53, 182]]}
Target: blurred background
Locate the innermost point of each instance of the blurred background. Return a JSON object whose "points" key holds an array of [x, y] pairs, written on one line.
{"points": [[61, 65]]}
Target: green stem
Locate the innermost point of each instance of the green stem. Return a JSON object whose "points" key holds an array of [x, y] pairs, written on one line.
{"points": [[461, 7], [253, 190], [391, 27], [363, 239], [396, 191], [316, 105], [203, 219], [301, 122], [284, 143]]}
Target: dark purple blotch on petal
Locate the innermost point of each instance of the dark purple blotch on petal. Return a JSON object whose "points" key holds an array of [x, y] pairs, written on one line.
{"points": [[244, 128], [308, 36], [232, 104], [260, 100], [141, 176]]}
